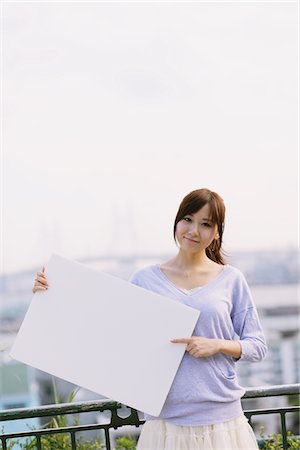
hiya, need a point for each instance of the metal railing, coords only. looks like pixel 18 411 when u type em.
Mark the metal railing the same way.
pixel 282 411
pixel 132 419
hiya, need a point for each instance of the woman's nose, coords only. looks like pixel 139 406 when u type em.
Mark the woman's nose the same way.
pixel 194 228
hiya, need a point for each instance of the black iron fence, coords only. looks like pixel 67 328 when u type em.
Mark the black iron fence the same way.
pixel 115 421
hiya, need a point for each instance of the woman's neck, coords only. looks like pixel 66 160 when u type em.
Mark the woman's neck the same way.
pixel 190 261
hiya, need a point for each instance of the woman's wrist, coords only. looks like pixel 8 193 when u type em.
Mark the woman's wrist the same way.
pixel 230 348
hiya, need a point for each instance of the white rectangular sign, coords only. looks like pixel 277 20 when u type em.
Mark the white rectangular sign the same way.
pixel 105 334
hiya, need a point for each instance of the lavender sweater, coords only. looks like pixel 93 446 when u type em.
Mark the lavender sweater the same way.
pixel 206 390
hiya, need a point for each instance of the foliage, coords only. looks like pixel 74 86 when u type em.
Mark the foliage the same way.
pixel 57 441
pixel 274 441
pixel 125 443
pixel 62 441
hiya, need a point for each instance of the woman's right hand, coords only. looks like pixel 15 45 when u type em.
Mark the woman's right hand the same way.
pixel 40 282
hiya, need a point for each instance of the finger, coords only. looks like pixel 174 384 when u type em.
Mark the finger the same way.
pixel 181 341
pixel 40 283
pixel 41 280
pixel 41 274
pixel 37 284
pixel 38 288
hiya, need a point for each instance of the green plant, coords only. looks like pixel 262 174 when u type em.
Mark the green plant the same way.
pixel 274 441
pixel 125 443
pixel 57 441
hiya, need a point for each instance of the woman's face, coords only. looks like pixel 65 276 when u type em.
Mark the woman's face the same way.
pixel 195 232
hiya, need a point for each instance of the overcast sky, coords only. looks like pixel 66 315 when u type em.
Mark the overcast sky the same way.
pixel 112 112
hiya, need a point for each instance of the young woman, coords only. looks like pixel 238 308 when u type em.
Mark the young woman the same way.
pixel 203 408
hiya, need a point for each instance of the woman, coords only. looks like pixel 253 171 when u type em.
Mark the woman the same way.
pixel 203 408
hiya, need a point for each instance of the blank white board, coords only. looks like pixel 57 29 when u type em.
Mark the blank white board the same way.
pixel 105 334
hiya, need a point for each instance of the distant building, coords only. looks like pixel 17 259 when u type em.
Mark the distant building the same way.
pixel 277 302
pixel 18 389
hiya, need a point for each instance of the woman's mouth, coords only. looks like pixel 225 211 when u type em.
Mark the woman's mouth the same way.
pixel 191 240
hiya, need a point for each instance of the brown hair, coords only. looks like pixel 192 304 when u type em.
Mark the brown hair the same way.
pixel 194 201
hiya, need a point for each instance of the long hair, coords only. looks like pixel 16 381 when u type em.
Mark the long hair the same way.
pixel 194 201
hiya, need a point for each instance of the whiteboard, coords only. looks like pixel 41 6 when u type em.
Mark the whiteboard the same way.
pixel 105 334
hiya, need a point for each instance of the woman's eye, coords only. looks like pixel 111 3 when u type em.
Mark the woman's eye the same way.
pixel 187 219
pixel 207 225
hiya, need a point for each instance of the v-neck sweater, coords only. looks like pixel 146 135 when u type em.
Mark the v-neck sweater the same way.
pixel 206 390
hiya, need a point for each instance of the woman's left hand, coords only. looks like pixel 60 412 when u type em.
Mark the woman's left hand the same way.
pixel 198 346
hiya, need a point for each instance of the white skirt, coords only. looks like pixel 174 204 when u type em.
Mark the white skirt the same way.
pixel 234 434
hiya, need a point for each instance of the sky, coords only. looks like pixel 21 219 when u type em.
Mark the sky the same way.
pixel 113 112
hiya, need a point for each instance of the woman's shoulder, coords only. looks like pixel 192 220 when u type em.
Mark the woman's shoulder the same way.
pixel 235 272
pixel 142 274
pixel 234 269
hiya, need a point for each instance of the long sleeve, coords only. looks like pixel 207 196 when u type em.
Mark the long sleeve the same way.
pixel 206 390
pixel 251 337
pixel 247 325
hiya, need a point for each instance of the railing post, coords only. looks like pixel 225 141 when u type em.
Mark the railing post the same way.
pixel 73 440
pixel 3 442
pixel 283 431
pixel 107 440
pixel 38 442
